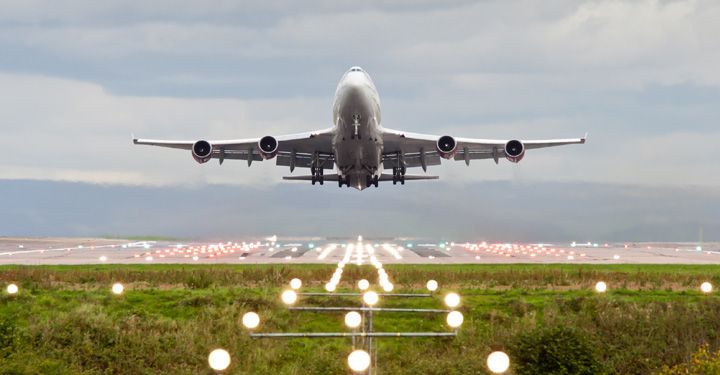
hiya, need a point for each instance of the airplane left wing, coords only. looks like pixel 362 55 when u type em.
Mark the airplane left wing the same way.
pixel 293 150
pixel 421 150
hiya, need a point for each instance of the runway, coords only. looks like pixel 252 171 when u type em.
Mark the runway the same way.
pixel 56 251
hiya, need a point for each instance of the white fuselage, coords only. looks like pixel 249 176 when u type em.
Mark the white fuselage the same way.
pixel 357 140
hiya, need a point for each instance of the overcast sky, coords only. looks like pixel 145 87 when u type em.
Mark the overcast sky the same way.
pixel 78 77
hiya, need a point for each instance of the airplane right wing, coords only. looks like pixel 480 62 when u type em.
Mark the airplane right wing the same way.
pixel 294 150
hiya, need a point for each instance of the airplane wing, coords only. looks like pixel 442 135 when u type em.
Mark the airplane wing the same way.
pixel 293 150
pixel 421 150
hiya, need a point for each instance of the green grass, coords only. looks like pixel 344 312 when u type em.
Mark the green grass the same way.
pixel 66 321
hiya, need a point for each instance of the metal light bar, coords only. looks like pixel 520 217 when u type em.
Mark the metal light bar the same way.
pixel 354 334
pixel 360 294
pixel 385 309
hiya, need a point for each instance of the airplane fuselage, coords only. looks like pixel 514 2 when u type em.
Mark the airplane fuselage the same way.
pixel 357 139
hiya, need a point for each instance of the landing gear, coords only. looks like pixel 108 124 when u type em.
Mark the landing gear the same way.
pixel 399 175
pixel 317 175
pixel 371 181
pixel 343 181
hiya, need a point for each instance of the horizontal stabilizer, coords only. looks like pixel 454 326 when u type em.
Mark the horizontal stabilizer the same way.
pixel 383 177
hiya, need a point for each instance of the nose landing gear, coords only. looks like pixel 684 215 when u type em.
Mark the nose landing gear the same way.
pixel 399 175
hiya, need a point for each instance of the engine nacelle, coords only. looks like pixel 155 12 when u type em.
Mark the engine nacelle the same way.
pixel 268 147
pixel 514 151
pixel 446 147
pixel 202 151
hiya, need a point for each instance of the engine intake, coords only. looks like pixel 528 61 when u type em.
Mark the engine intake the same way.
pixel 514 151
pixel 202 151
pixel 268 147
pixel 446 147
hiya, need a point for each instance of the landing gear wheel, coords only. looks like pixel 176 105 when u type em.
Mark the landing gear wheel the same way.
pixel 368 181
pixel 376 179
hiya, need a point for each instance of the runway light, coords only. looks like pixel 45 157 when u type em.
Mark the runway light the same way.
pixel 330 287
pixel 12 289
pixel 118 288
pixel 706 287
pixel 455 319
pixel 616 257
pixel 388 287
pixel 359 361
pixel 289 297
pixel 251 320
pixel 196 257
pixel 600 287
pixel 219 359
pixel 452 300
pixel 295 283
pixel 103 258
pixel 370 298
pixel 363 284
pixel 432 285
pixel 498 362
pixel 353 319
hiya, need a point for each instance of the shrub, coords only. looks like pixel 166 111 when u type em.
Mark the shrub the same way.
pixel 554 350
pixel 701 362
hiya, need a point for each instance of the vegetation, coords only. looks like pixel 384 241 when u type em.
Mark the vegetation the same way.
pixel 653 319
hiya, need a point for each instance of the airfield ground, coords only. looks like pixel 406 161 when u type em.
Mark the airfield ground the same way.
pixel 65 320
pixel 184 298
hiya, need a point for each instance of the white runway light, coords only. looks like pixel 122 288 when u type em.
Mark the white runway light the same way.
pixel 353 319
pixel 12 289
pixel 219 359
pixel 103 258
pixel 330 287
pixel 118 288
pixel 370 298
pixel 289 297
pixel 359 361
pixel 455 319
pixel 498 362
pixel 296 283
pixel 601 287
pixel 452 300
pixel 363 284
pixel 251 320
pixel 432 285
pixel 706 287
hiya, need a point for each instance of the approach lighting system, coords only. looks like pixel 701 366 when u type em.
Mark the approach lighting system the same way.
pixel 12 289
pixel 452 300
pixel 370 298
pixel 363 284
pixel 219 359
pixel 706 287
pixel 289 297
pixel 118 288
pixel 455 319
pixel 601 287
pixel 432 285
pixel 359 361
pixel 296 283
pixel 353 319
pixel 251 320
pixel 498 362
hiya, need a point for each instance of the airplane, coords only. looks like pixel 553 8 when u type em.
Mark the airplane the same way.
pixel 357 145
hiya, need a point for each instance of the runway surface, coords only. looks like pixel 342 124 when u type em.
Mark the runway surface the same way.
pixel 35 251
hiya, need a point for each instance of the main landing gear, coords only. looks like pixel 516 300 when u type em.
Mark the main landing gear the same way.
pixel 317 175
pixel 399 175
pixel 343 181
pixel 372 180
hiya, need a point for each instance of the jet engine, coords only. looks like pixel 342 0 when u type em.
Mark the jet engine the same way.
pixel 514 151
pixel 446 147
pixel 202 151
pixel 268 147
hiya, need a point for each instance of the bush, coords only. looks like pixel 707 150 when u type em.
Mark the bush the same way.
pixel 702 362
pixel 554 350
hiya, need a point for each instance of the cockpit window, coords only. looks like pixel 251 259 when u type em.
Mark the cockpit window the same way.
pixel 356 69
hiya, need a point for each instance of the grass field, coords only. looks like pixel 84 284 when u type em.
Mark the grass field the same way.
pixel 66 321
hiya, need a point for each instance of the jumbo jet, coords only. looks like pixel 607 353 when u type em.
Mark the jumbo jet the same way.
pixel 357 146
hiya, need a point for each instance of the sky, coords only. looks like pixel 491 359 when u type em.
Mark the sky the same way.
pixel 78 78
